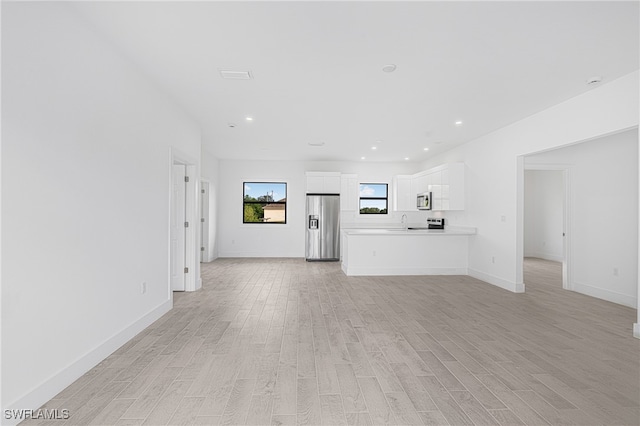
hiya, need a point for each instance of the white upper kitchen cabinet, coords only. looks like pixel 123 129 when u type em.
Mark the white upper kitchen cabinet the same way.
pixel 404 195
pixel 349 192
pixel 447 186
pixel 445 182
pixel 421 182
pixel 323 182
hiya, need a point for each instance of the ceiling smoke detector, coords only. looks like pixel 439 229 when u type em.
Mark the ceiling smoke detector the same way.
pixel 594 80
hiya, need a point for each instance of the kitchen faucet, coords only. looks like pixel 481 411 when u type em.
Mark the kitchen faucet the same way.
pixel 403 220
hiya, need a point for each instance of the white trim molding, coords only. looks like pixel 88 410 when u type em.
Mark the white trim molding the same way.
pixel 36 397
pixel 498 282
pixel 566 259
pixel 545 256
pixel 366 271
pixel 610 296
pixel 192 236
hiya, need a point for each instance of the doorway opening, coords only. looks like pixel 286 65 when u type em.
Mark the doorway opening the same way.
pixel 545 223
pixel 542 273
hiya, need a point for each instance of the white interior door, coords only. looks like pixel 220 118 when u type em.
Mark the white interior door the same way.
pixel 178 230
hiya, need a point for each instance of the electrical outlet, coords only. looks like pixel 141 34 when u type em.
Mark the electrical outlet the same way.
pixel 143 287
pixel 615 271
pixel 493 259
pixel 374 252
pixel 503 218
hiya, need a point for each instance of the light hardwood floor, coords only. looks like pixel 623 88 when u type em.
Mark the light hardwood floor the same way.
pixel 283 341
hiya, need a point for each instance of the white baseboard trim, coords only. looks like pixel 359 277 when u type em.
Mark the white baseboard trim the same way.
pixel 636 330
pixel 374 271
pixel 608 295
pixel 499 282
pixel 211 257
pixel 265 255
pixel 545 256
pixel 36 397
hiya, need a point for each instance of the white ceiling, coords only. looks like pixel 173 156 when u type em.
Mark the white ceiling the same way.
pixel 317 68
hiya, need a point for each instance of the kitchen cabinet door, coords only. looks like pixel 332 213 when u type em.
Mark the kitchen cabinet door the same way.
pixel 421 182
pixel 315 185
pixel 332 184
pixel 404 196
pixel 349 193
pixel 456 186
pixel 323 182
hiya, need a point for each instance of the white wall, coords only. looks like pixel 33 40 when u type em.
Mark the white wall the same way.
pixel 604 214
pixel 260 240
pixel 210 172
pixel 494 171
pixel 86 141
pixel 543 214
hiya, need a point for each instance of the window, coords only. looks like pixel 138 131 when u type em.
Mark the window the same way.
pixel 373 198
pixel 264 202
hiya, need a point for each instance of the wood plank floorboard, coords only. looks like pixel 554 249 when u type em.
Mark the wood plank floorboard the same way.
pixel 287 342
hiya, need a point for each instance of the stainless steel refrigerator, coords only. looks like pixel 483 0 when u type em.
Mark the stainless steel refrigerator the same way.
pixel 323 227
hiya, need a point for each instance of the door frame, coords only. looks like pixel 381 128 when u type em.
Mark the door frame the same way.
pixel 177 279
pixel 567 262
pixel 193 280
pixel 205 187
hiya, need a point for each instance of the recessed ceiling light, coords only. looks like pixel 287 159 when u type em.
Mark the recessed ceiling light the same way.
pixel 235 75
pixel 458 123
pixel 594 80
pixel 362 158
pixel 406 158
pixel 374 148
pixel 425 149
pixel 249 118
pixel 389 68
pixel 316 143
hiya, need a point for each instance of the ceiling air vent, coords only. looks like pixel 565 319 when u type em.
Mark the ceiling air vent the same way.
pixel 235 75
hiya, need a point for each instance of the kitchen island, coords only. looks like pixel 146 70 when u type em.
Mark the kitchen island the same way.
pixel 406 251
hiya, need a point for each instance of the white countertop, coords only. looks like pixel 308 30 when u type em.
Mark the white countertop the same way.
pixel 458 230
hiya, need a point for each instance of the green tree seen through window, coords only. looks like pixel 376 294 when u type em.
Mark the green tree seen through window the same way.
pixel 264 202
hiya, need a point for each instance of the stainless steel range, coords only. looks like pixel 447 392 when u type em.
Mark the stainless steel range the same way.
pixel 435 223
